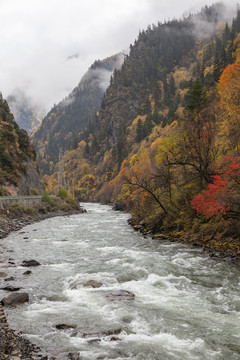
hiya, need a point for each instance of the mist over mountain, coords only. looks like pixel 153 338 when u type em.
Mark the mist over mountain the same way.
pixel 27 114
pixel 62 126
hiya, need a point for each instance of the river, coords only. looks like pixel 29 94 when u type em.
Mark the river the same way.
pixel 186 305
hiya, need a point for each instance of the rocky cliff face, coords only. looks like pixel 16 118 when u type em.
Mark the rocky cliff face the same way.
pixel 30 183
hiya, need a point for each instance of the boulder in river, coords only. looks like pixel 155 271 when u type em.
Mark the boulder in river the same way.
pixel 28 272
pixel 11 262
pixel 65 326
pixel 121 295
pixel 30 263
pixel 97 333
pixel 93 284
pixel 94 341
pixel 115 338
pixel 15 299
pixel 10 288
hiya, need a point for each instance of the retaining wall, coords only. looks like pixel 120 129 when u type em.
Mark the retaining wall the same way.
pixel 24 201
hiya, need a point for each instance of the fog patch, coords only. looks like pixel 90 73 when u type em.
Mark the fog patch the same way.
pixel 207 22
pixel 97 76
pixel 74 56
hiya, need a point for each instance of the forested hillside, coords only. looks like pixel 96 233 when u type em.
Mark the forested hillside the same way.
pixel 165 143
pixel 62 126
pixel 16 152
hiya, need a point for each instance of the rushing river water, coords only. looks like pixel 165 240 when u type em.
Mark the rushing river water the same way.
pixel 186 305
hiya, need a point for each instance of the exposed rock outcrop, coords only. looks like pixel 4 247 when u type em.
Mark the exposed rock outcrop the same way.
pixel 30 181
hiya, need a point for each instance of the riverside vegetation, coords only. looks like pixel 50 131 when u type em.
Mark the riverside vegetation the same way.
pixel 15 216
pixel 164 143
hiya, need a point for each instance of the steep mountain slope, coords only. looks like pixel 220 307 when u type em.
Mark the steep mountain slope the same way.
pixel 156 77
pixel 26 115
pixel 166 140
pixel 17 171
pixel 62 126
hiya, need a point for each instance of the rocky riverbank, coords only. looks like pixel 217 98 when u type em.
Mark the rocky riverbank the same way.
pixel 218 248
pixel 8 224
pixel 13 346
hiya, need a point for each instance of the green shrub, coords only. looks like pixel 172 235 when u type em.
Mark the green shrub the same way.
pixel 15 209
pixel 46 198
pixel 30 210
pixel 63 193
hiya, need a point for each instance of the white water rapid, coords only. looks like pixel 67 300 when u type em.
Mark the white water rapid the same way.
pixel 186 306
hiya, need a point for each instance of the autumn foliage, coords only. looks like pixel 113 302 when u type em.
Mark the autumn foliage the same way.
pixel 166 139
pixel 217 198
pixel 229 91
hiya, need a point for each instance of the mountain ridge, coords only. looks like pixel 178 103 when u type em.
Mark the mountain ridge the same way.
pixel 165 142
pixel 63 124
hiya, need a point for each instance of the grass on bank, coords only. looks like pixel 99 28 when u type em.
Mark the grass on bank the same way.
pixel 49 204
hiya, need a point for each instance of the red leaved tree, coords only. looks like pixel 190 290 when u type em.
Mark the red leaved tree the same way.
pixel 222 197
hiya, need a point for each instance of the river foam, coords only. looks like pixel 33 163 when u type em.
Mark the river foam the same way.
pixel 186 305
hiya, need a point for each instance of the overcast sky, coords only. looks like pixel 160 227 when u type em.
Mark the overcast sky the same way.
pixel 47 45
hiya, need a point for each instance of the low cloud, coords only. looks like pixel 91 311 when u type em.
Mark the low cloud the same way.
pixel 97 77
pixel 74 56
pixel 205 26
pixel 49 45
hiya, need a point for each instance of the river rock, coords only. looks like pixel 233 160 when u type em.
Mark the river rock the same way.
pixel 121 295
pixel 65 326
pixel 15 299
pixel 30 263
pixel 28 272
pixel 94 341
pixel 98 333
pixel 10 288
pixel 93 284
pixel 115 338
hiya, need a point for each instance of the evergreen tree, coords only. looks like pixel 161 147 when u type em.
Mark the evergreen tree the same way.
pixel 226 34
pixel 148 125
pixel 139 131
pixel 197 98
pixel 172 87
pixel 156 118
